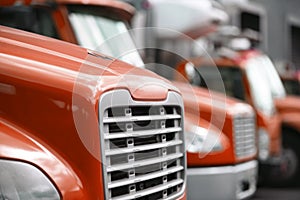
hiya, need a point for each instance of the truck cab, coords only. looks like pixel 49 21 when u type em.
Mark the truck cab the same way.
pixel 221 145
pixel 257 82
pixel 76 124
pixel 218 150
pixel 76 21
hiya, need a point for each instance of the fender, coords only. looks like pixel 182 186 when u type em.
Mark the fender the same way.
pixel 222 157
pixel 18 144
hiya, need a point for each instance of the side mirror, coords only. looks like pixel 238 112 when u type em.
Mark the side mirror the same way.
pixel 190 71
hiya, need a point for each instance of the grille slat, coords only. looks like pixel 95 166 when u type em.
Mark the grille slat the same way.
pixel 143 148
pixel 244 136
pixel 245 140
pixel 142 133
pixel 248 147
pixel 140 118
pixel 250 136
pixel 145 177
pixel 144 162
pixel 151 190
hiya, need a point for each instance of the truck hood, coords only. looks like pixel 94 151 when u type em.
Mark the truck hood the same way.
pixel 54 63
pixel 52 89
pixel 208 100
pixel 219 112
pixel 289 109
pixel 288 104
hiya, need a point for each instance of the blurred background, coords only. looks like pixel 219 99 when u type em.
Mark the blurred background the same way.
pixel 271 27
pixel 276 24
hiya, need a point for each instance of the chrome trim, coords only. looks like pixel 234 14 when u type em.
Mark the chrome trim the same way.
pixel 139 118
pixel 146 177
pixel 222 182
pixel 143 148
pixel 150 191
pixel 143 163
pixel 244 129
pixel 142 133
pixel 122 98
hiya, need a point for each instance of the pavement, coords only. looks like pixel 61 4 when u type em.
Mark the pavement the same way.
pixel 266 193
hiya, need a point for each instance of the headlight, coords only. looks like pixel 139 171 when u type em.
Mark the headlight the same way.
pixel 263 144
pixel 20 180
pixel 269 111
pixel 202 140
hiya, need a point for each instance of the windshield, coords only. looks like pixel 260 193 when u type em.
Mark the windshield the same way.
pixel 95 32
pixel 270 73
pixel 292 87
pixel 259 87
pixel 231 76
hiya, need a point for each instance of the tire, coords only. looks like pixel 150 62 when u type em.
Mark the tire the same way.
pixel 287 172
pixel 290 159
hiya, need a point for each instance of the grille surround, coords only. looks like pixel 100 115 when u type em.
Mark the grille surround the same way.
pixel 122 99
pixel 244 130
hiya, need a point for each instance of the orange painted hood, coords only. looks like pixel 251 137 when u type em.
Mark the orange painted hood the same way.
pixel 289 109
pixel 288 104
pixel 208 99
pixel 55 63
pixel 217 111
pixel 50 89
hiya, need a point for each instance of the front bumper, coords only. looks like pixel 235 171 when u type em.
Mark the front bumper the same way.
pixel 225 182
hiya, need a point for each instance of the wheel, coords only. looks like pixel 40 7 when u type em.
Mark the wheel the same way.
pixel 286 173
pixel 289 164
pixel 290 159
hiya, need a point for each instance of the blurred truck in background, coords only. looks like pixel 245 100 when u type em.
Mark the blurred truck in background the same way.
pixel 230 125
pixel 263 18
pixel 242 83
pixel 221 157
pixel 158 14
pixel 257 82
pixel 274 21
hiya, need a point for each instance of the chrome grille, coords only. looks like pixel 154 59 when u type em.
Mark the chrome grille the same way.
pixel 244 136
pixel 142 147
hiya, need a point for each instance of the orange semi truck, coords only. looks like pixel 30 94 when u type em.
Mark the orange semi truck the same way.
pixel 221 146
pixel 220 131
pixel 75 124
pixel 77 15
pixel 257 82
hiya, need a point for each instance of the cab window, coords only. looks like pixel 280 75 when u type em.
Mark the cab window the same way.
pixel 231 76
pixel 32 19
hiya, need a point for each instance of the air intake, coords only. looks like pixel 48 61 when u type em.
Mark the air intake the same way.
pixel 244 136
pixel 142 147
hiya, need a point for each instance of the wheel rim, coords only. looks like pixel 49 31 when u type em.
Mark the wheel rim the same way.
pixel 289 163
